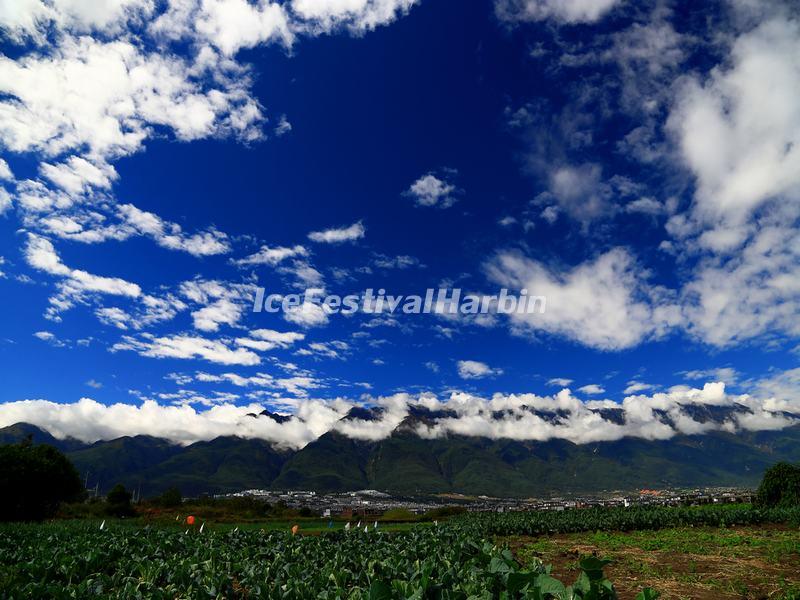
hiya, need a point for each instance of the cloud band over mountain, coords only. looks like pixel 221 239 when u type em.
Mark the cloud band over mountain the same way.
pixel 660 416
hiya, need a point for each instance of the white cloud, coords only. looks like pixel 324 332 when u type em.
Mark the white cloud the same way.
pixel 106 96
pixel 76 174
pixel 351 233
pixel 307 314
pixel 755 292
pixel 282 339
pixel 561 382
pixel 512 416
pixel 637 386
pixel 91 421
pixel 357 15
pixel 602 303
pixel 150 310
pixel 727 375
pixel 297 385
pixel 473 369
pixel 222 303
pixel 271 256
pixel 507 221
pixel 234 24
pixel 283 127
pixel 31 18
pixel 171 236
pixel 332 349
pixel 430 190
pixel 581 192
pixel 5 200
pixel 646 205
pixel 402 261
pixel 5 171
pixel 565 11
pixel 592 389
pixel 41 255
pixel 220 312
pixel 305 274
pixel 186 346
pixel 550 214
pixel 739 131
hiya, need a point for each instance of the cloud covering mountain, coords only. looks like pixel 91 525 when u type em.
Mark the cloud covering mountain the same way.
pixel 660 416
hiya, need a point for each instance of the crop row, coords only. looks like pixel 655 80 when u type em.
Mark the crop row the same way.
pixel 76 561
pixel 627 519
pixel 455 560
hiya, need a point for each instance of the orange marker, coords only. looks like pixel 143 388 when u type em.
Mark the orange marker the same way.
pixel 190 520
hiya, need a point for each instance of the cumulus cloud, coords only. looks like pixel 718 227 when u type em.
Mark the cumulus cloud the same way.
pixel 357 15
pixel 93 83
pixel 604 303
pixel 89 420
pixel 473 369
pixel 514 416
pixel 234 24
pixel 752 293
pixel 337 235
pixel 434 191
pixel 31 18
pixel 222 303
pixel 105 96
pixel 559 382
pixel 739 130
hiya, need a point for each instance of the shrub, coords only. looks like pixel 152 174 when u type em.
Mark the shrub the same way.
pixel 118 502
pixel 170 498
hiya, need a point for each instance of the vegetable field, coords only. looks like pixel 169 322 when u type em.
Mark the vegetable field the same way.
pixel 629 519
pixel 457 559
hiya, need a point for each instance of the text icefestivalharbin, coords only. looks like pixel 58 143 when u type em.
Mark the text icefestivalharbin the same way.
pixel 441 301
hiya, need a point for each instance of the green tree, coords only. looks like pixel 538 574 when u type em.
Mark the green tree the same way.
pixel 118 502
pixel 170 498
pixel 780 487
pixel 35 480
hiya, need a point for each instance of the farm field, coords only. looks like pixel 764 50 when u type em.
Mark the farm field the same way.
pixel 683 563
pixel 737 552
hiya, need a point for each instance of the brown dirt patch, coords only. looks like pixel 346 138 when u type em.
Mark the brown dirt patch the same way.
pixel 763 566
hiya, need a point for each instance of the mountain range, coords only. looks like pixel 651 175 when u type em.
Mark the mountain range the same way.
pixel 406 463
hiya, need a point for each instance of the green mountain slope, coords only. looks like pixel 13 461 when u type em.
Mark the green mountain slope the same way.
pixel 407 464
pixel 13 434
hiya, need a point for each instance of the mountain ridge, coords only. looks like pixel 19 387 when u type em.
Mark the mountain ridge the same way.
pixel 408 464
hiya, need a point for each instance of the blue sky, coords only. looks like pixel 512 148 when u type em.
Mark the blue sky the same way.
pixel 636 163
